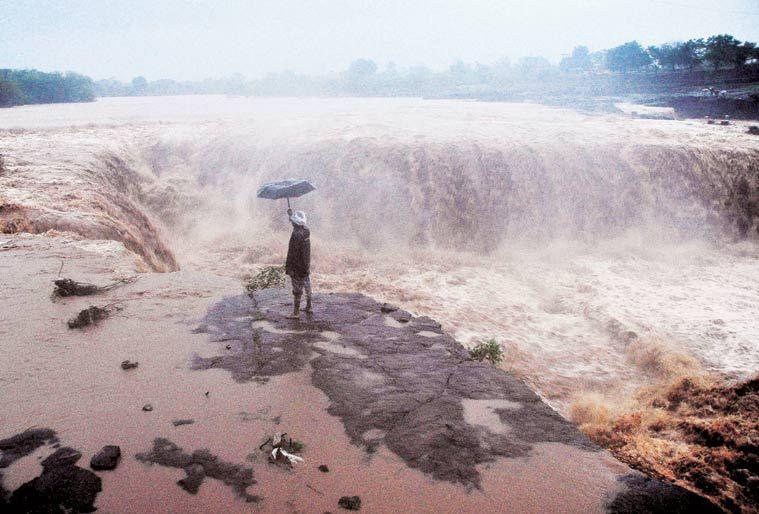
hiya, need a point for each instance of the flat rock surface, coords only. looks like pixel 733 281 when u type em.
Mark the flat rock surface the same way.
pixel 399 381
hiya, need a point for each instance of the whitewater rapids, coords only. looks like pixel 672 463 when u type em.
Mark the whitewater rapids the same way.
pixel 557 233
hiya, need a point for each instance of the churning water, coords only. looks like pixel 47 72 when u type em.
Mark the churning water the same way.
pixel 557 233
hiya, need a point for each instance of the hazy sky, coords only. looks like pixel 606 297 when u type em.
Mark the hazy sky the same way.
pixel 191 39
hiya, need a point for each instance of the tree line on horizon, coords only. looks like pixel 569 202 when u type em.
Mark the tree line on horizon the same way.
pixel 21 87
pixel 721 52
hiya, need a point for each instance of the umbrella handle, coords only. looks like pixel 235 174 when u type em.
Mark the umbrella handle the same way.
pixel 288 202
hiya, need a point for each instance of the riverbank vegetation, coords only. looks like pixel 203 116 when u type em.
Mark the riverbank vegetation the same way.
pixel 713 64
pixel 21 87
pixel 628 68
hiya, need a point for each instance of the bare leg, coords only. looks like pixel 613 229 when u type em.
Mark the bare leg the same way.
pixel 307 286
pixel 296 308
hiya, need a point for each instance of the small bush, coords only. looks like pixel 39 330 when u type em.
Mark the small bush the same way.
pixel 488 350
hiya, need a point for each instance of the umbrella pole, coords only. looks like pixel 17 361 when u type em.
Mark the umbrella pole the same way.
pixel 288 202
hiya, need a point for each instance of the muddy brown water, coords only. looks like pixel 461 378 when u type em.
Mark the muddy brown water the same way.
pixel 171 179
pixel 540 227
pixel 71 381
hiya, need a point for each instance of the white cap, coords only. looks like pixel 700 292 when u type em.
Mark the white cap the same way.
pixel 299 218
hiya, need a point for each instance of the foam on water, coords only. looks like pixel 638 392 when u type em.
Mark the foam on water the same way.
pixel 557 233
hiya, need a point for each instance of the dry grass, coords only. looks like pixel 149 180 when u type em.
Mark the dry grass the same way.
pixel 653 356
pixel 698 432
pixel 269 276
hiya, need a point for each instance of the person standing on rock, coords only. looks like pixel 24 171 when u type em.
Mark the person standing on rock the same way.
pixel 298 263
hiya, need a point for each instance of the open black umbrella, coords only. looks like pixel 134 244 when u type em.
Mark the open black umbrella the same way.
pixel 289 188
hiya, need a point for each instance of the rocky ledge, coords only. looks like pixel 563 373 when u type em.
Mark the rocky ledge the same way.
pixel 400 381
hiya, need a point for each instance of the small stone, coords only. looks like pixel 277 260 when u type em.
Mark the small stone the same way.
pixel 180 422
pixel 386 307
pixel 323 468
pixel 88 316
pixel 147 407
pixel 229 347
pixel 350 502
pixel 106 459
pixel 125 365
pixel 62 457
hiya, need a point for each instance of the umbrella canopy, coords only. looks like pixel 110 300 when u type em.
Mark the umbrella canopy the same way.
pixel 289 188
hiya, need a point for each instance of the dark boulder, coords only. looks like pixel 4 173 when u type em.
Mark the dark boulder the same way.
pixel 106 459
pixel 62 457
pixel 62 487
pixel 21 445
pixel 386 308
pixel 350 502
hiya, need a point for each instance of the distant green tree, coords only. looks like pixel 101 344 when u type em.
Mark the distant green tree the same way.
pixel 459 68
pixel 598 60
pixel 36 87
pixel 10 94
pixel 628 57
pixel 533 66
pixel 139 85
pixel 745 52
pixel 483 73
pixel 419 76
pixel 78 88
pixel 722 51
pixel 579 60
pixel 111 87
pixel 462 73
pixel 690 54
pixel 501 72
pixel 665 55
pixel 361 69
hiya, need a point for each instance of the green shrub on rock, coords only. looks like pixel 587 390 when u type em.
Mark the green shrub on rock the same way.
pixel 488 350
